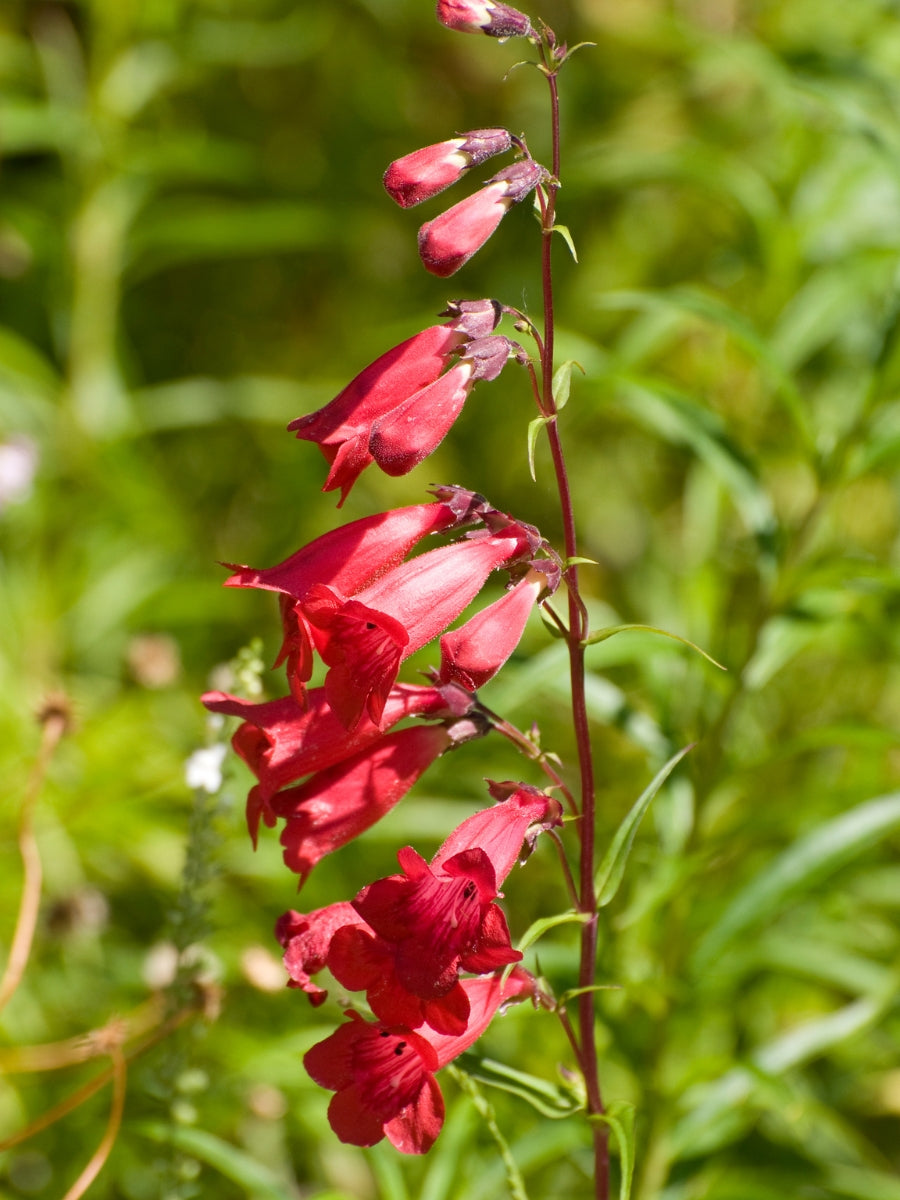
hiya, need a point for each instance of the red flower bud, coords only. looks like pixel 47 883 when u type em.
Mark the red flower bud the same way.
pixel 483 16
pixel 450 240
pixel 474 653
pixel 426 172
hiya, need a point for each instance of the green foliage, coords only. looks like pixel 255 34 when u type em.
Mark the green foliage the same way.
pixel 194 250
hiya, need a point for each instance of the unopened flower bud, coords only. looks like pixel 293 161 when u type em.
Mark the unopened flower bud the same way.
pixel 450 240
pixel 426 172
pixel 483 16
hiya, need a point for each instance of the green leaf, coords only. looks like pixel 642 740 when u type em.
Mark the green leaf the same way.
pixel 573 993
pixel 258 1180
pixel 538 928
pixel 563 231
pixel 573 49
pixel 547 1098
pixel 798 869
pixel 619 1116
pixel 600 635
pixel 534 428
pixel 562 381
pixel 611 870
pixel 860 1183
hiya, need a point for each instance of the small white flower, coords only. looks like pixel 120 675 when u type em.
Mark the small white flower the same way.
pixel 204 768
pixel 18 464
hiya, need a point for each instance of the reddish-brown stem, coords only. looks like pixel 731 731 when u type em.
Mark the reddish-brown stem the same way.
pixel 578 628
pixel 95 1164
pixel 54 722
pixel 530 750
pixel 45 1120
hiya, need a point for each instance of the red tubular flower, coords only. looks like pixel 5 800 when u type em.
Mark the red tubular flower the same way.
pixel 406 436
pixel 350 558
pixel 343 427
pixel 281 741
pixel 423 927
pixel 354 555
pixel 501 831
pixel 364 639
pixel 338 804
pixel 306 939
pixel 426 172
pixel 450 240
pixel 383 1076
pixel 474 653
pixel 483 16
pixel 427 927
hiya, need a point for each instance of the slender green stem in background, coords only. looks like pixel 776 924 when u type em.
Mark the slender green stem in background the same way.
pixel 577 631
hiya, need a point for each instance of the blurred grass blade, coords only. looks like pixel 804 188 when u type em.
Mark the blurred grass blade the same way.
pixel 799 869
pixel 452 1148
pixel 612 869
pixel 679 419
pixel 694 304
pixel 860 1184
pixel 257 1180
pixel 723 1108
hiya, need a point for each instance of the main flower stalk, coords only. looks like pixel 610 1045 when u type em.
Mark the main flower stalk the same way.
pixel 575 643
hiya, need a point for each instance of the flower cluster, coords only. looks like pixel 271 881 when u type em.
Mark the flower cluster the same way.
pixel 429 947
pixel 449 241
pixel 404 940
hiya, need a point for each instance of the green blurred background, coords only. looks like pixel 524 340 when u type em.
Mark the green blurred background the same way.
pixel 195 248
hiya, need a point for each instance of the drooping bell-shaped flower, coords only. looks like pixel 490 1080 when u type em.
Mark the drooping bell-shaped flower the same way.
pixel 339 803
pixel 426 927
pixel 407 435
pixel 348 559
pixel 483 16
pixel 383 1075
pixel 342 428
pixel 426 172
pixel 474 653
pixel 450 240
pixel 422 928
pixel 281 741
pixel 365 638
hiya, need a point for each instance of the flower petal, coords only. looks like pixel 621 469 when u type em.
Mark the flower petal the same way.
pixel 339 803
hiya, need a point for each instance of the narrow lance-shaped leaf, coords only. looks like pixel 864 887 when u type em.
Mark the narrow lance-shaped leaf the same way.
pixel 601 635
pixel 619 1116
pixel 612 869
pixel 537 929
